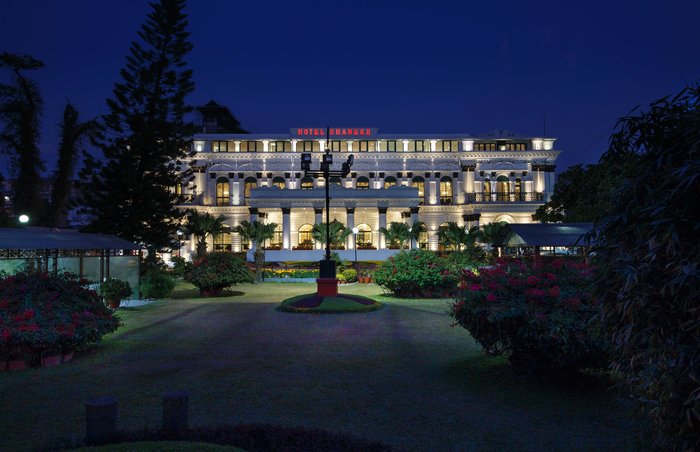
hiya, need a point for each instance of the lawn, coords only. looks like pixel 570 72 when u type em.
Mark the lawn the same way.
pixel 401 375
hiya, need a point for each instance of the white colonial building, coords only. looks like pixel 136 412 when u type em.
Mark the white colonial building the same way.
pixel 434 178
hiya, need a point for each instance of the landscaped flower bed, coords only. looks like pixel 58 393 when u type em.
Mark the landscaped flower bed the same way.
pixel 43 317
pixel 291 273
pixel 542 318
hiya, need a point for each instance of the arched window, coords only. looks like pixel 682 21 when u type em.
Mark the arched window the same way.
pixel 423 237
pixel 419 183
pixel 305 237
pixel 362 182
pixel 389 181
pixel 222 241
pixel 276 240
pixel 222 194
pixel 307 183
pixel 335 180
pixel 502 188
pixel 446 190
pixel 278 182
pixel 248 184
pixel 518 189
pixel 364 235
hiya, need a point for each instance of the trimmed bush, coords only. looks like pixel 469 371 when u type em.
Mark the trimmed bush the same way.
pixel 216 271
pixel 157 285
pixel 417 273
pixel 42 313
pixel 542 319
pixel 349 275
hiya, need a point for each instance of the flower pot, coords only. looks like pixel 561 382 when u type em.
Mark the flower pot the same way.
pixel 17 364
pixel 114 304
pixel 50 361
pixel 67 357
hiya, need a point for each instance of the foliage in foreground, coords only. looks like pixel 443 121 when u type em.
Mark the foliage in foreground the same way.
pixel 648 275
pixel 156 285
pixel 541 318
pixel 44 313
pixel 216 271
pixel 417 273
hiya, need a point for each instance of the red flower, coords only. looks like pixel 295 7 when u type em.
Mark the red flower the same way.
pixel 554 291
pixel 491 298
pixel 533 280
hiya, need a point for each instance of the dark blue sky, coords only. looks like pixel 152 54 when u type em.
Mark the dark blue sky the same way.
pixel 401 66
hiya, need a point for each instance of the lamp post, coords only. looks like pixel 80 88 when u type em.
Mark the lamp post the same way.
pixel 355 230
pixel 24 218
pixel 327 282
pixel 179 243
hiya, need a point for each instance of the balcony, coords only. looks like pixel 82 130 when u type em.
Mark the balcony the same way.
pixel 477 198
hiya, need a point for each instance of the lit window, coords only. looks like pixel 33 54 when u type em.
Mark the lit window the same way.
pixel 307 183
pixel 305 237
pixel 445 190
pixel 249 146
pixel 364 234
pixel 389 182
pixel 280 146
pixel 367 146
pixel 222 241
pixel 219 146
pixel 249 184
pixel 278 182
pixel 222 193
pixel 419 183
pixel 336 146
pixel 362 182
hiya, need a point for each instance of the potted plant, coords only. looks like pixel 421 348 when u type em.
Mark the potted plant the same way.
pixel 114 291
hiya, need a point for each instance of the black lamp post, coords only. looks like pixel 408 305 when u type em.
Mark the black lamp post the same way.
pixel 327 265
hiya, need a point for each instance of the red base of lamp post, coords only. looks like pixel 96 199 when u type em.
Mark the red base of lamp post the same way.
pixel 327 287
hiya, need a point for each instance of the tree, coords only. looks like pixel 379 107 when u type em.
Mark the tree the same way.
pixel 73 134
pixel 20 113
pixel 337 231
pixel 416 229
pixel 257 233
pixel 457 237
pixel 144 135
pixel 203 226
pixel 648 274
pixel 492 234
pixel 397 233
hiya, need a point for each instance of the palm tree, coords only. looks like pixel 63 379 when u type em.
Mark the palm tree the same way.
pixel 202 226
pixel 397 233
pixel 337 231
pixel 492 234
pixel 257 233
pixel 415 231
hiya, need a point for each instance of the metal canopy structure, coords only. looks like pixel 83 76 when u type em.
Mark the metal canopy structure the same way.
pixel 35 238
pixel 548 234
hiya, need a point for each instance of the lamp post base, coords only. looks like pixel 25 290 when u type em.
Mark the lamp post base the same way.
pixel 327 287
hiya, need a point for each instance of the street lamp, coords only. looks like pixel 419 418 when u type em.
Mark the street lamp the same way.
pixel 355 230
pixel 24 219
pixel 179 243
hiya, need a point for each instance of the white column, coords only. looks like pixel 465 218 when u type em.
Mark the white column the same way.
pixel 431 192
pixel 266 145
pixel 349 145
pixel 237 146
pixel 405 145
pixel 467 145
pixel 286 228
pixel 294 145
pixel 236 193
pixel 350 223
pixel 433 145
pixel 231 186
pixel 382 224
pixel 412 220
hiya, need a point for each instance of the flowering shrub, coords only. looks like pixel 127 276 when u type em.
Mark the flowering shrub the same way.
pixel 216 271
pixel 45 313
pixel 417 273
pixel 542 319
pixel 291 273
pixel 156 284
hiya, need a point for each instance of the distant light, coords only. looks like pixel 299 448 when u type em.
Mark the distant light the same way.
pixel 179 232
pixel 7 199
pixel 24 218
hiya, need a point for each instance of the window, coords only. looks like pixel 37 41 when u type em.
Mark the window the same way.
pixel 307 183
pixel 276 240
pixel 389 146
pixel 305 237
pixel 280 146
pixel 249 146
pixel 516 146
pixel 219 146
pixel 278 182
pixel 518 189
pixel 502 188
pixel 367 146
pixel 222 193
pixel 335 180
pixel 364 234
pixel 423 237
pixel 485 146
pixel 309 146
pixel 389 181
pixel 445 190
pixel 487 187
pixel 336 146
pixel 222 241
pixel 448 146
pixel 419 183
pixel 362 182
pixel 249 184
pixel 419 145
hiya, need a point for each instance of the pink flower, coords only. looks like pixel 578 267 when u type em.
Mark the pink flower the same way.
pixel 554 291
pixel 533 280
pixel 491 298
pixel 474 287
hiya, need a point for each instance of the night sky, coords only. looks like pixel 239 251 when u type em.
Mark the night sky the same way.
pixel 403 66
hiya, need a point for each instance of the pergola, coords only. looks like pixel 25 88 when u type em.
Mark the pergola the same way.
pixel 535 237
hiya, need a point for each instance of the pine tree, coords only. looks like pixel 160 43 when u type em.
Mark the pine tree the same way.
pixel 144 135
pixel 20 113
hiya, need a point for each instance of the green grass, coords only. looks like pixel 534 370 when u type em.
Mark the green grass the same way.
pixel 401 375
pixel 161 446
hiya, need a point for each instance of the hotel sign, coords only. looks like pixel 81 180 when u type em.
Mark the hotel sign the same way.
pixel 333 132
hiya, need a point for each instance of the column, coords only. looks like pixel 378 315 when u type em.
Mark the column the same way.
pixel 211 189
pixel 286 228
pixel 350 223
pixel 382 224
pixel 413 219
pixel 231 187
pixel 318 219
pixel 253 217
pixel 468 182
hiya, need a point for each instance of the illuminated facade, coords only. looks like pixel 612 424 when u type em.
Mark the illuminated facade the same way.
pixel 433 178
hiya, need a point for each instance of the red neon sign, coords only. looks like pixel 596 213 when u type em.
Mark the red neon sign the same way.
pixel 334 132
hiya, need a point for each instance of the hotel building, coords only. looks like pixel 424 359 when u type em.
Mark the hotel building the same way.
pixel 433 178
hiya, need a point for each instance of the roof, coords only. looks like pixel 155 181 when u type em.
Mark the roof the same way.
pixel 34 238
pixel 547 234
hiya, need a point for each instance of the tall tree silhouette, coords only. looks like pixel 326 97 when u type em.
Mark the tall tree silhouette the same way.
pixel 144 135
